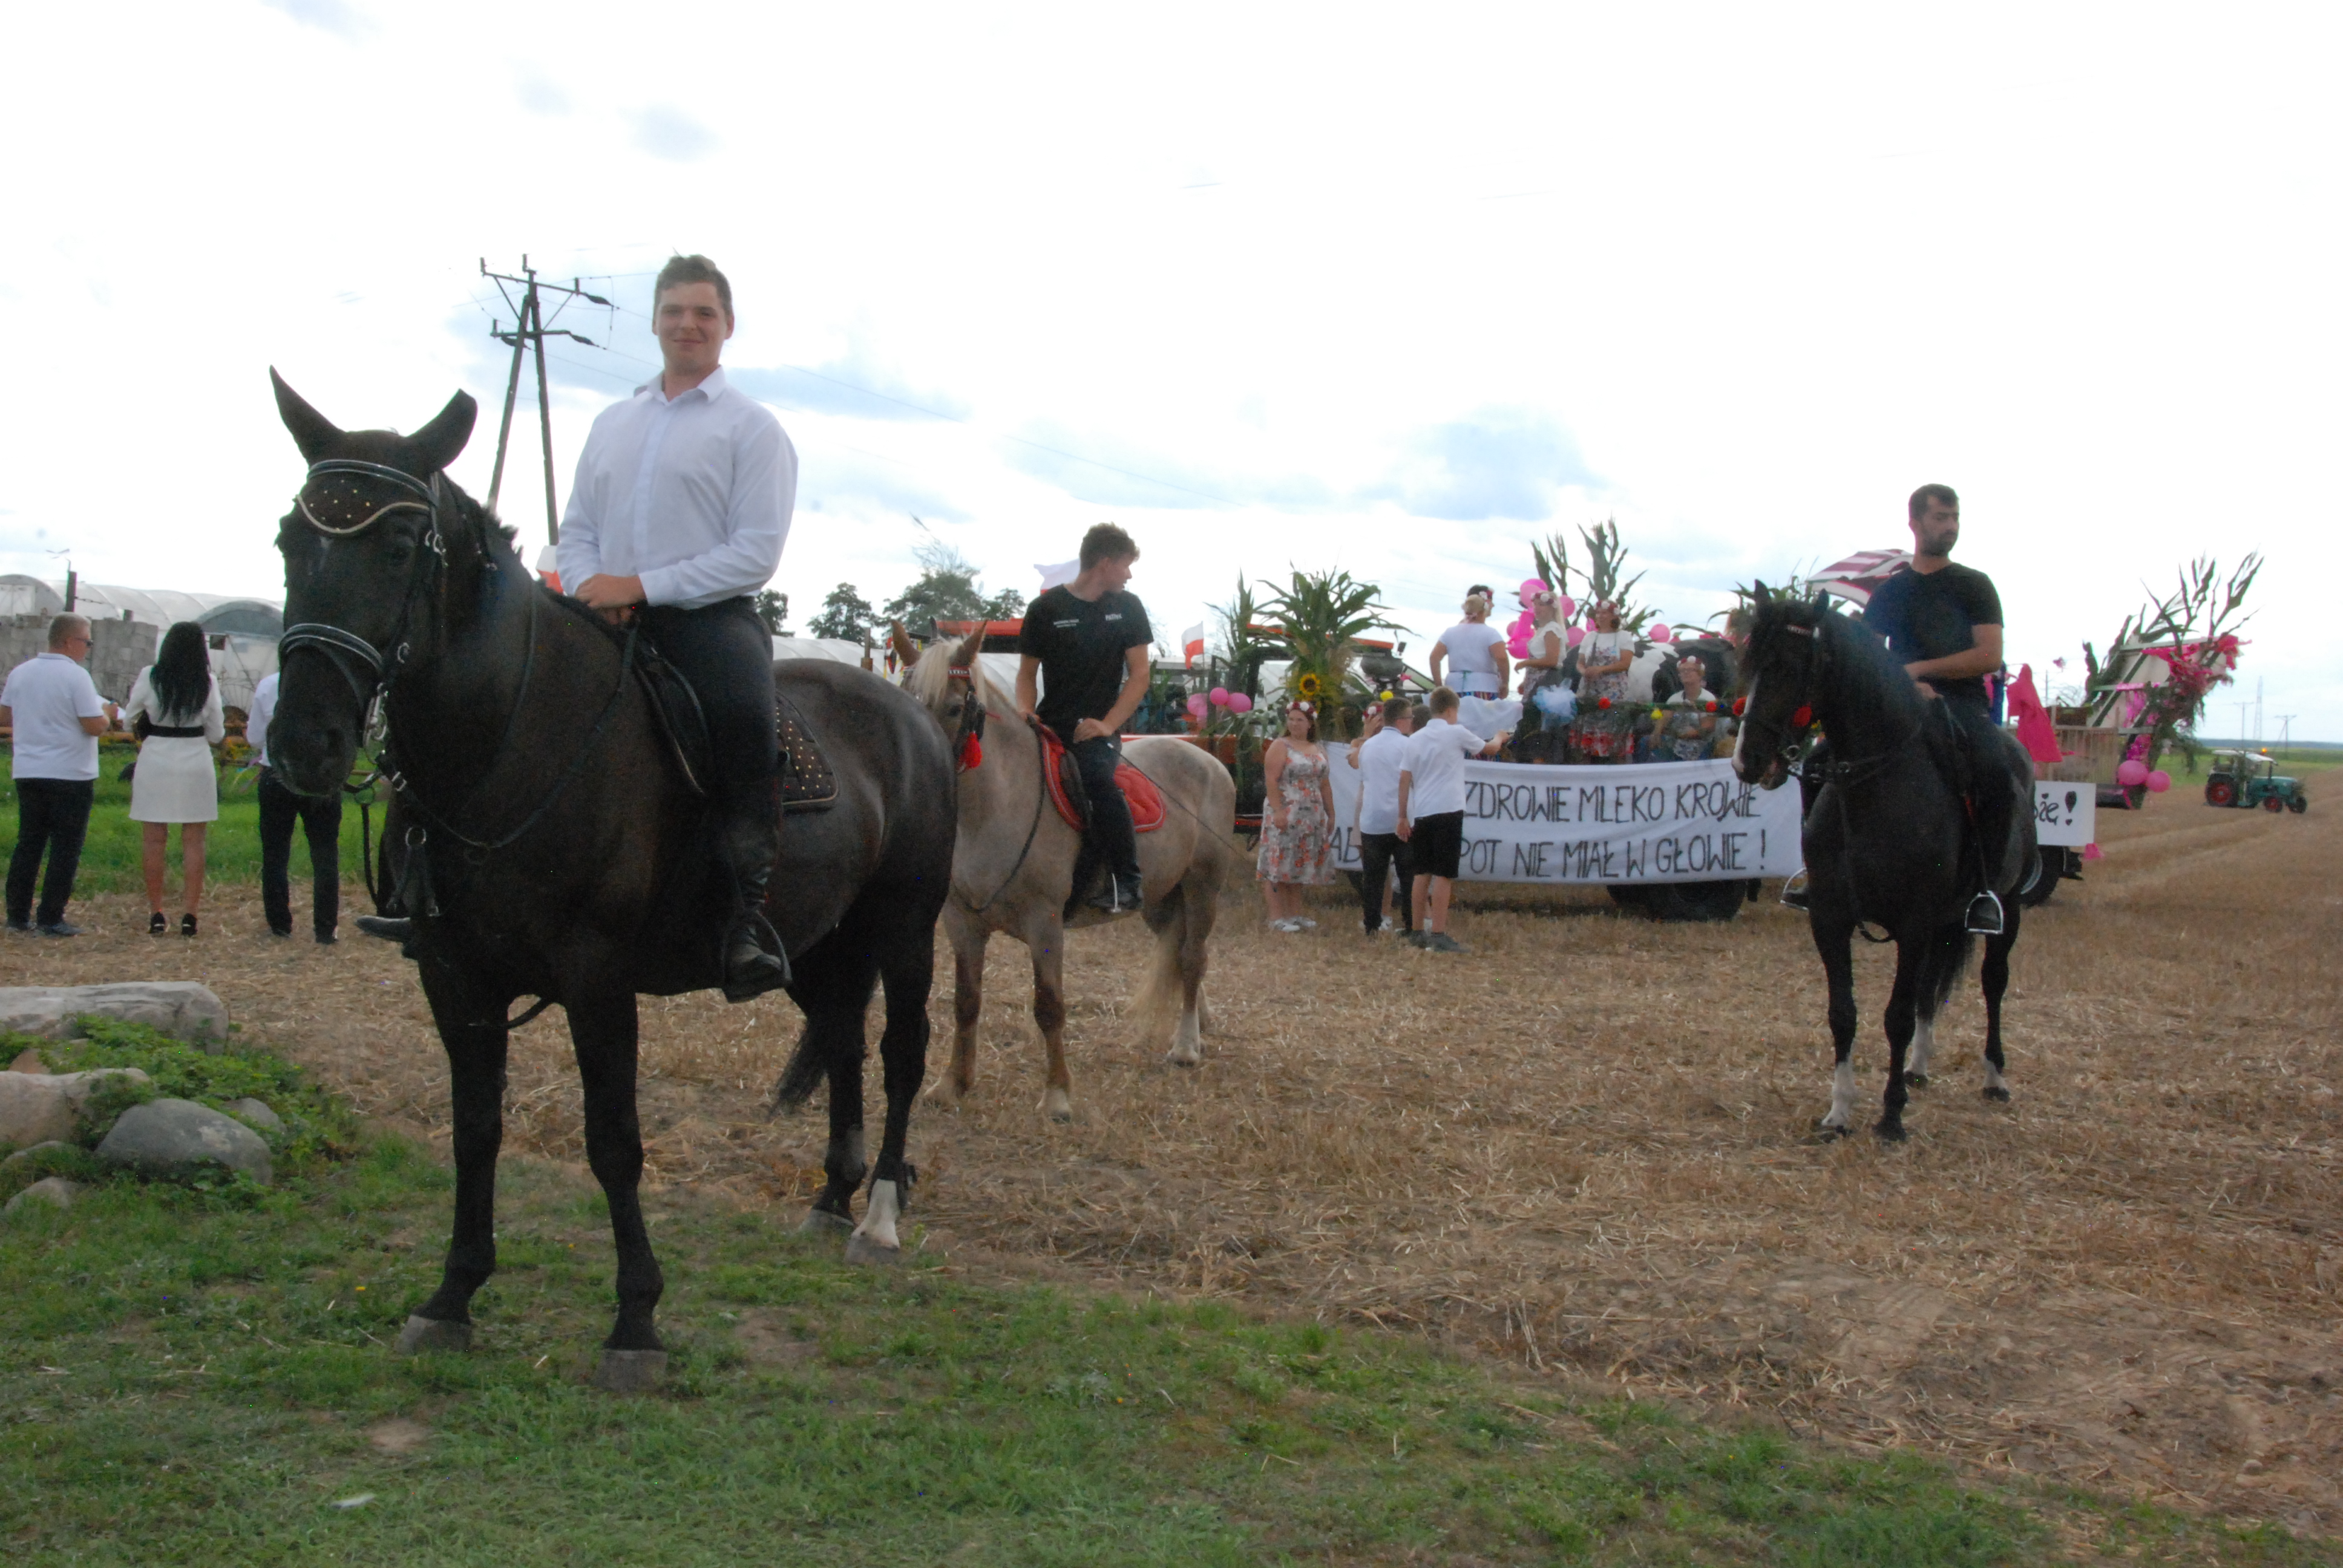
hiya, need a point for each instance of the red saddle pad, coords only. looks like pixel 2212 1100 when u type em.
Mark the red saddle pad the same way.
pixel 1138 790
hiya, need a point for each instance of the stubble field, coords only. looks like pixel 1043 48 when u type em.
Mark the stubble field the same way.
pixel 1585 1147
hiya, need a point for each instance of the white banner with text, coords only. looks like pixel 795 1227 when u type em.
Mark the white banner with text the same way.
pixel 1661 823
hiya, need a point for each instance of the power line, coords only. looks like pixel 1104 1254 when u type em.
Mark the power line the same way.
pixel 529 332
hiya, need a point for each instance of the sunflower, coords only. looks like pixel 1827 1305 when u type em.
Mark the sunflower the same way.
pixel 1309 686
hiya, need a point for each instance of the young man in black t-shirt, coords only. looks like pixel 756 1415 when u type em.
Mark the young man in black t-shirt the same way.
pixel 1943 621
pixel 1088 642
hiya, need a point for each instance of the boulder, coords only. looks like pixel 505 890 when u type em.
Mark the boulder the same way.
pixel 179 1008
pixel 22 1155
pixel 175 1138
pixel 29 1061
pixel 54 1190
pixel 255 1114
pixel 33 1110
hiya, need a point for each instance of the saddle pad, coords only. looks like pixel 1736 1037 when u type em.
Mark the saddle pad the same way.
pixel 807 783
pixel 1138 790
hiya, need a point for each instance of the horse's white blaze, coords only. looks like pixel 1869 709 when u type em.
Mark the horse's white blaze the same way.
pixel 1924 1045
pixel 1842 1110
pixel 877 1227
pixel 1187 1043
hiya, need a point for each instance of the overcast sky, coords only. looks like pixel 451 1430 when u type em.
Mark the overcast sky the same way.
pixel 1396 290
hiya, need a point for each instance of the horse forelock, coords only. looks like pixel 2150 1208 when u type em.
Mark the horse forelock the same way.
pixel 930 680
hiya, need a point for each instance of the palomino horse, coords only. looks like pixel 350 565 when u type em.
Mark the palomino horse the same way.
pixel 1014 868
pixel 549 843
pixel 1887 836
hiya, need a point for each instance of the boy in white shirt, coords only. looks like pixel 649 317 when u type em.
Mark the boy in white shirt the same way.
pixel 1432 813
pixel 1378 758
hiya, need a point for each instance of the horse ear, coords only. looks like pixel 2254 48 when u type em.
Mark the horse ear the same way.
pixel 1821 603
pixel 1761 594
pixel 312 432
pixel 438 443
pixel 900 641
pixel 964 657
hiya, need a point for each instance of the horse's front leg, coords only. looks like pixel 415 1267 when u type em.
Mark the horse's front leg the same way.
pixel 1902 1008
pixel 1045 940
pixel 603 1031
pixel 471 1028
pixel 968 941
pixel 907 970
pixel 1995 973
pixel 1835 942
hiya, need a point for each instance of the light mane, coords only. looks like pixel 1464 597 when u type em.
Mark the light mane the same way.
pixel 928 679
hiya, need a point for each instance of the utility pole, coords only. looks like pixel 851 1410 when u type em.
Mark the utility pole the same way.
pixel 2284 732
pixel 529 333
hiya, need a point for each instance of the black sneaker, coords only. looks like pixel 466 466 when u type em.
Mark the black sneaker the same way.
pixel 1794 891
pixel 1441 942
pixel 22 927
pixel 325 938
pixel 60 929
pixel 282 933
pixel 1985 915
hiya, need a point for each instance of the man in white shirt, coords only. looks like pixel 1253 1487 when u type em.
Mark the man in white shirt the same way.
pixel 678 513
pixel 1476 649
pixel 1432 813
pixel 54 710
pixel 320 816
pixel 1378 757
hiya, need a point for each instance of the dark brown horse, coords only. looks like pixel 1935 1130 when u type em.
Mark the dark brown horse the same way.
pixel 546 842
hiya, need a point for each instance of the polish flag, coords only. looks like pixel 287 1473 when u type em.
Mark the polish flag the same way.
pixel 1192 642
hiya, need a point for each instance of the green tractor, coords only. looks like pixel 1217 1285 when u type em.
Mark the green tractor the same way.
pixel 2249 778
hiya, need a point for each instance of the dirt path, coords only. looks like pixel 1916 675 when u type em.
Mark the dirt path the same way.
pixel 1584 1145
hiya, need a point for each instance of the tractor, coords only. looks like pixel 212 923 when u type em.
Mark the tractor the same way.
pixel 2247 779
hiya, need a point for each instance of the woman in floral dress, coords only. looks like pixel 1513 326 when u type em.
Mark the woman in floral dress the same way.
pixel 1601 731
pixel 1298 815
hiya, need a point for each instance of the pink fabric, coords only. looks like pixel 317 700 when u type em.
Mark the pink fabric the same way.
pixel 2035 730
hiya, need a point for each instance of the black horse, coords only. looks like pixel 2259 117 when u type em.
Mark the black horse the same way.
pixel 547 842
pixel 1887 840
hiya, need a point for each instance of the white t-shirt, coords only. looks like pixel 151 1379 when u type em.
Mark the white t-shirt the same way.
pixel 1436 767
pixel 47 697
pixel 1380 757
pixel 264 708
pixel 1471 667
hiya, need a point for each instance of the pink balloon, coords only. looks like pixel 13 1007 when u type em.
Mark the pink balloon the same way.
pixel 1518 645
pixel 1198 706
pixel 2132 774
pixel 2091 852
pixel 1531 586
pixel 1662 634
pixel 1566 607
pixel 1577 635
pixel 1219 697
pixel 1239 703
pixel 2158 782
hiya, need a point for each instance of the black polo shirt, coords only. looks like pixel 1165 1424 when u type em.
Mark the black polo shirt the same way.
pixel 1080 644
pixel 1931 615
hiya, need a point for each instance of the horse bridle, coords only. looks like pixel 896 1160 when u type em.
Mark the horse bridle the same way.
pixel 1794 745
pixel 970 726
pixel 339 644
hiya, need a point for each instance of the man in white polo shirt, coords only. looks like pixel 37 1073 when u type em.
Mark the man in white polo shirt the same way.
pixel 1378 758
pixel 1432 813
pixel 57 716
pixel 678 514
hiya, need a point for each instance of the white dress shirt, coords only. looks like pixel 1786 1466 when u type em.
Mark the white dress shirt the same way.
pixel 1434 762
pixel 1380 757
pixel 691 493
pixel 264 708
pixel 47 697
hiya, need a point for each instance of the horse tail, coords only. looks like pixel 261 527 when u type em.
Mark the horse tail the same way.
pixel 1161 996
pixel 805 1071
pixel 1951 957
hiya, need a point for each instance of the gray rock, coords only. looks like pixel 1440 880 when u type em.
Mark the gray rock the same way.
pixel 256 1114
pixel 33 1110
pixel 54 1190
pixel 180 1008
pixel 22 1155
pixel 178 1138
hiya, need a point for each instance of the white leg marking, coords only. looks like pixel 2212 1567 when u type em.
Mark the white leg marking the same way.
pixel 1842 1109
pixel 1993 1078
pixel 1187 1047
pixel 1924 1044
pixel 877 1227
pixel 1058 1105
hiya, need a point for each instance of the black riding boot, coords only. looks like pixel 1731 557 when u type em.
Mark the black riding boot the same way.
pixel 749 840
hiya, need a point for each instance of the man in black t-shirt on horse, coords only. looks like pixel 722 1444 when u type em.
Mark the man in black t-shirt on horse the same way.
pixel 1945 622
pixel 1087 640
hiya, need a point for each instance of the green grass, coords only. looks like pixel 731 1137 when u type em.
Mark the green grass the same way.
pixel 189 1377
pixel 110 856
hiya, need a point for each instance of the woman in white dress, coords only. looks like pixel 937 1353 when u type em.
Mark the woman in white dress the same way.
pixel 175 779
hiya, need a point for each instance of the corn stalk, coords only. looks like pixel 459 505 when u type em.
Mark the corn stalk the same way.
pixel 1324 613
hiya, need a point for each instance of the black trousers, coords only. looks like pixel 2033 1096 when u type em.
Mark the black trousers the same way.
pixel 1379 853
pixel 1111 833
pixel 1993 781
pixel 726 654
pixel 51 816
pixel 321 818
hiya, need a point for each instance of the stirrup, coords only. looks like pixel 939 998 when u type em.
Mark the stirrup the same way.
pixel 1794 891
pixel 1985 915
pixel 1120 896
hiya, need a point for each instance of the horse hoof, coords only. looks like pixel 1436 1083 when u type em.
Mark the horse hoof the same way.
pixel 1188 1058
pixel 422 1334
pixel 631 1372
pixel 862 1250
pixel 1997 1094
pixel 947 1091
pixel 1058 1105
pixel 1916 1080
pixel 822 1223
pixel 1890 1132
